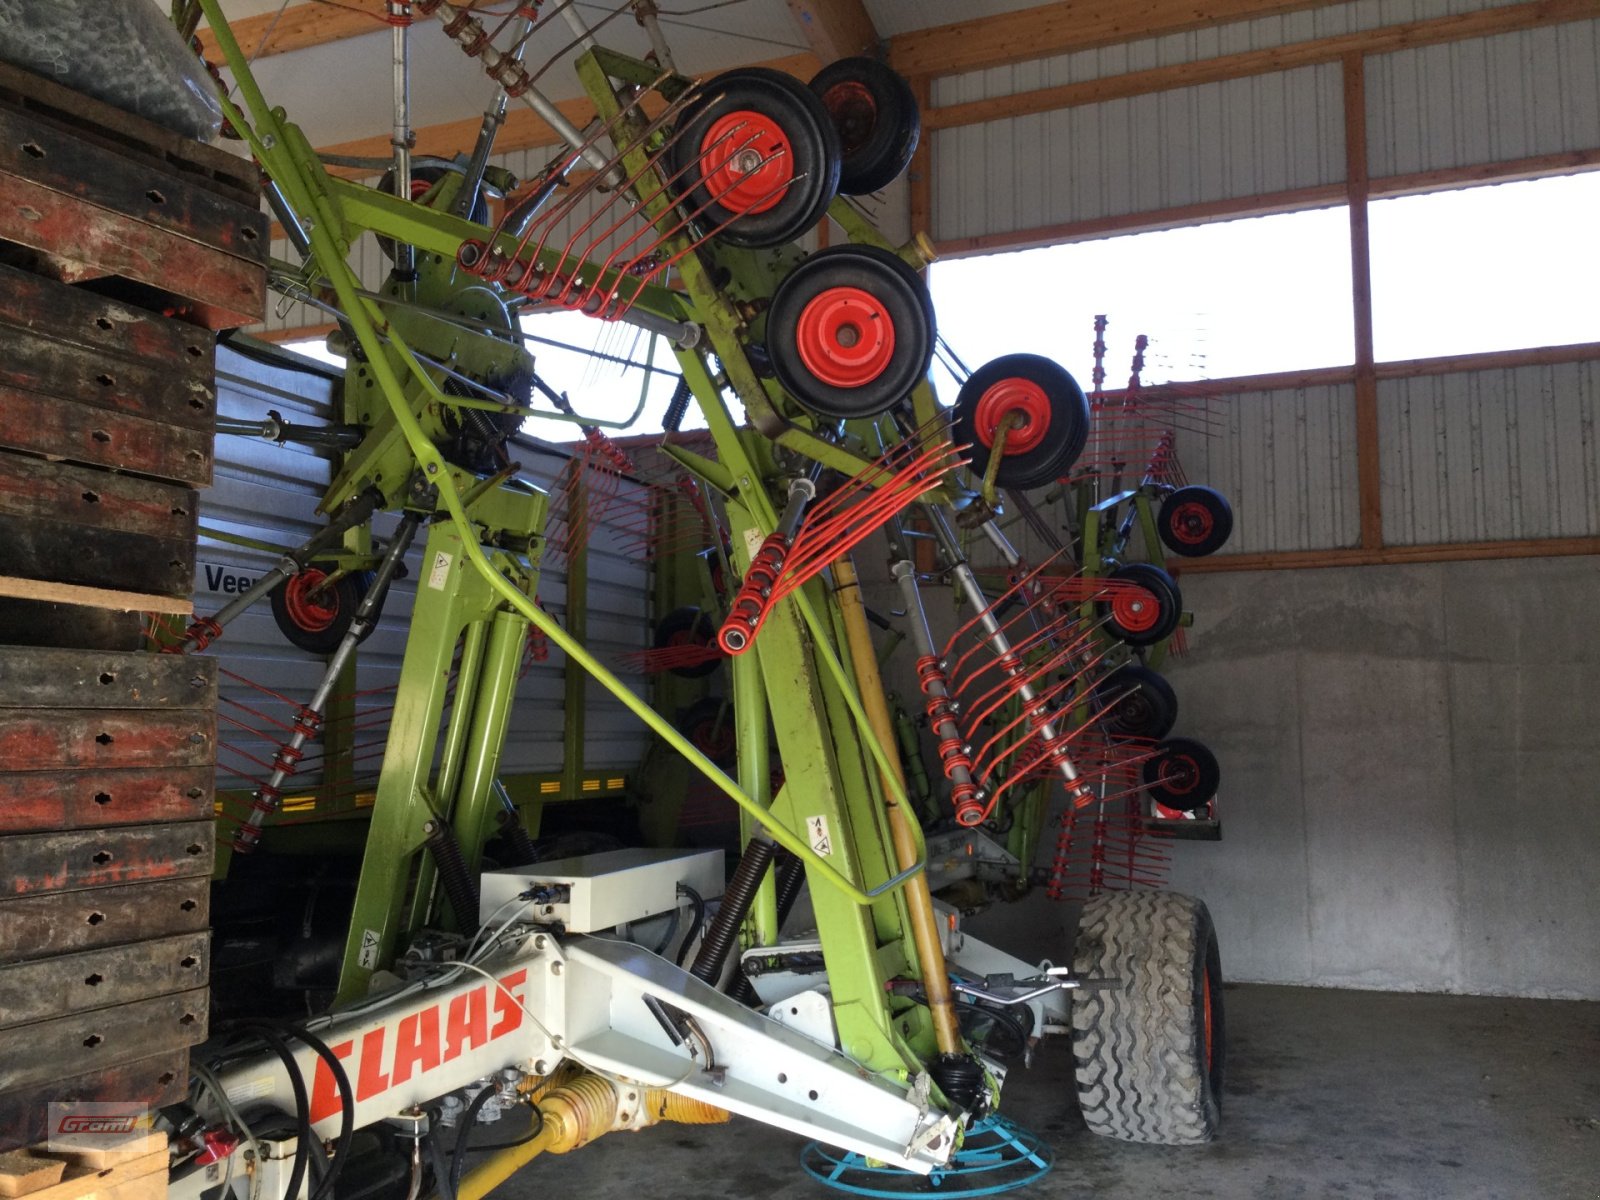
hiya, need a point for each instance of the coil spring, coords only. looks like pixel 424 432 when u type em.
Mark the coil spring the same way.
pixel 968 803
pixel 930 671
pixel 736 900
pixel 609 450
pixel 749 606
pixel 678 406
pixel 459 887
pixel 523 850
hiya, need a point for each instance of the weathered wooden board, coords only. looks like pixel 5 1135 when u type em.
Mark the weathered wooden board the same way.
pixel 169 393
pixel 69 983
pixel 107 125
pixel 67 860
pixel 78 596
pixel 107 1037
pixel 36 927
pixel 80 433
pixel 40 800
pixel 58 738
pixel 49 678
pixel 214 289
pixel 35 622
pixel 65 162
pixel 141 1176
pixel 76 525
pixel 156 1081
pixel 41 306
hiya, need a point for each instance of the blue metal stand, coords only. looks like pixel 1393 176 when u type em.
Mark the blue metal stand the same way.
pixel 995 1156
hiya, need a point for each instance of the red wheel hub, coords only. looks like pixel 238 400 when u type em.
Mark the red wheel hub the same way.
pixel 1016 396
pixel 1134 609
pixel 1179 774
pixel 854 113
pixel 310 605
pixel 845 337
pixel 1205 1007
pixel 746 162
pixel 1192 523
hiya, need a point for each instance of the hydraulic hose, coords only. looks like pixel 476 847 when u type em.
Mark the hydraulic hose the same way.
pixel 919 900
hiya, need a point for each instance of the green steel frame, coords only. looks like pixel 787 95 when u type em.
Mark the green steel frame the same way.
pixel 830 811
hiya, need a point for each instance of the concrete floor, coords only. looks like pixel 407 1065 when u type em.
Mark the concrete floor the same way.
pixel 1329 1094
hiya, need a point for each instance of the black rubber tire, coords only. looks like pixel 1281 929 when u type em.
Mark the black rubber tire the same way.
pixel 1143 704
pixel 715 740
pixel 1195 521
pixel 687 626
pixel 903 298
pixel 346 594
pixel 799 115
pixel 1144 1070
pixel 1169 601
pixel 875 113
pixel 1064 436
pixel 1182 774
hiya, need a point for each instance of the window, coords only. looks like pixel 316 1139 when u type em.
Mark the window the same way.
pixel 1229 298
pixel 1486 268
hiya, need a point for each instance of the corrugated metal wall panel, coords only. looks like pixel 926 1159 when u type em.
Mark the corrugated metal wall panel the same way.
pixel 1217 141
pixel 1286 460
pixel 1491 455
pixel 1238 37
pixel 270 493
pixel 1485 100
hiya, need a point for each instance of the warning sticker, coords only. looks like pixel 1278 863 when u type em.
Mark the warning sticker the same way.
pixel 441 571
pixel 753 540
pixel 368 957
pixel 821 837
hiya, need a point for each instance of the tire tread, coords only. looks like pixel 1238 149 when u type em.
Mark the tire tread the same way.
pixel 1136 1050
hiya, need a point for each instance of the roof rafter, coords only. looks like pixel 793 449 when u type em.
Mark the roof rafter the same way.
pixel 835 29
pixel 1058 28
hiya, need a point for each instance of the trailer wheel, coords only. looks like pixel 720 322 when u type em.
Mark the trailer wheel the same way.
pixel 1142 703
pixel 874 112
pixel 1149 1052
pixel 850 332
pixel 1195 521
pixel 1048 411
pixel 708 724
pixel 1182 774
pixel 1146 613
pixel 687 626
pixel 756 158
pixel 312 616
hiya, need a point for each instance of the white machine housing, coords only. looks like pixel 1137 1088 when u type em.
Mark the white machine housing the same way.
pixel 603 890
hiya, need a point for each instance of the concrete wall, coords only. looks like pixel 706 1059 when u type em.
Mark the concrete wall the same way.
pixel 1411 778
pixel 1410 774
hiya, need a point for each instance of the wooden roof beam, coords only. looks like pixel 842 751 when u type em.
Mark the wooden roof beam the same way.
pixel 835 29
pixel 300 26
pixel 1059 28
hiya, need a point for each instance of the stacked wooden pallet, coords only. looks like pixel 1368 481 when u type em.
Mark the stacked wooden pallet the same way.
pixel 133 1168
pixel 122 247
